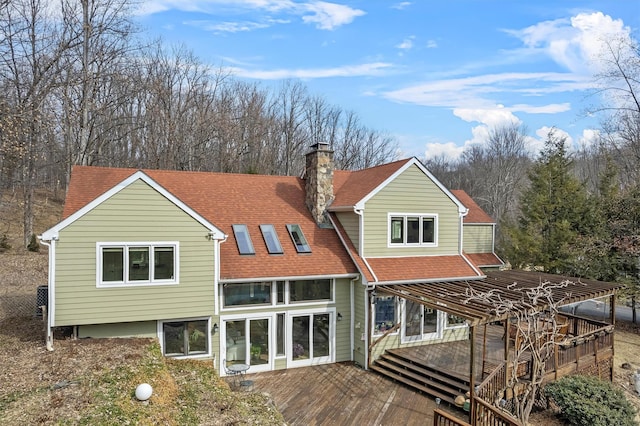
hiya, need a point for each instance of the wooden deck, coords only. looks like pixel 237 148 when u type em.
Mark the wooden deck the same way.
pixel 344 394
pixel 454 357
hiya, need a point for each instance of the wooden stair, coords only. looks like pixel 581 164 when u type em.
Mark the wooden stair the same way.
pixel 417 374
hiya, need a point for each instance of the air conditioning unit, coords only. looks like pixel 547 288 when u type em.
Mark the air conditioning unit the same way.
pixel 42 299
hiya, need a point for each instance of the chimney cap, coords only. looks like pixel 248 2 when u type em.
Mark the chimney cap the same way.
pixel 320 145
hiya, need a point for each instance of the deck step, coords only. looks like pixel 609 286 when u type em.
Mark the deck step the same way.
pixel 446 397
pixel 407 356
pixel 420 376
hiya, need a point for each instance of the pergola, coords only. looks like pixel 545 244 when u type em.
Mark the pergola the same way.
pixel 457 298
pixel 451 296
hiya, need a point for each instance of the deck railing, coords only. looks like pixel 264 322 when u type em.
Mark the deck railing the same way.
pixel 592 344
pixel 488 415
pixel 442 418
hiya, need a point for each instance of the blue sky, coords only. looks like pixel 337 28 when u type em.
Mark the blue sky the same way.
pixel 435 75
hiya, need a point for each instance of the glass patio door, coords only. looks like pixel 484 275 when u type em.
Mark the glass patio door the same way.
pixel 413 321
pixel 420 322
pixel 247 341
pixel 311 339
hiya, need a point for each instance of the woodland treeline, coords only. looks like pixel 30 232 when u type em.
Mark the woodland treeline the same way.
pixel 80 84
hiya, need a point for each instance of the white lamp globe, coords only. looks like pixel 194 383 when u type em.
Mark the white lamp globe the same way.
pixel 144 391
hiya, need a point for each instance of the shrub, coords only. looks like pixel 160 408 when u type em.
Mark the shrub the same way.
pixel 585 400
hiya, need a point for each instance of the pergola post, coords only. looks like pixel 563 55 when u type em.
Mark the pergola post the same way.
pixel 472 385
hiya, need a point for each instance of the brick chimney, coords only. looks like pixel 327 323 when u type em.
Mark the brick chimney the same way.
pixel 319 181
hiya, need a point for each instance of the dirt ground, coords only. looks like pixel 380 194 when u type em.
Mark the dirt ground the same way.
pixel 21 338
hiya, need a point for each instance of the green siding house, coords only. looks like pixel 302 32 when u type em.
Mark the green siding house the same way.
pixel 273 272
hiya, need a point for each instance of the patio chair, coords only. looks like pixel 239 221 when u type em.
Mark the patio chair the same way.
pixel 233 375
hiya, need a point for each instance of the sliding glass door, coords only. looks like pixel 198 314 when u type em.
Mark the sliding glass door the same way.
pixel 248 342
pixel 311 339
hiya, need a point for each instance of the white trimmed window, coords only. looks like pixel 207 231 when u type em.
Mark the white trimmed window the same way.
pixel 413 229
pixel 185 338
pixel 123 264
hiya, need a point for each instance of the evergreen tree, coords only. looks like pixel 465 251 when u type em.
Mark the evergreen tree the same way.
pixel 554 213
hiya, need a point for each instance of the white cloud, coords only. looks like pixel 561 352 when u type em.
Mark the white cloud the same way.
pixel 449 150
pixel 589 137
pixel 491 116
pixel 573 43
pixel 329 16
pixel 325 15
pixel 432 44
pixel 402 5
pixel 227 27
pixel 406 44
pixel 537 145
pixel 370 69
pixel 478 91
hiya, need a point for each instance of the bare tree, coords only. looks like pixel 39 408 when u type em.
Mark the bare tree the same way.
pixel 495 172
pixel 619 89
pixel 290 104
pixel 33 45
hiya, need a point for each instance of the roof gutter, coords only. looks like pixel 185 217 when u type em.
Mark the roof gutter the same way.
pixel 433 280
pixel 300 277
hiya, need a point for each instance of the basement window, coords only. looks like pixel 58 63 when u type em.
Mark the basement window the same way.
pixel 298 239
pixel 185 338
pixel 245 246
pixel 271 239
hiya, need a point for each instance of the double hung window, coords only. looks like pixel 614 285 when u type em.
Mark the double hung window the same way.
pixel 137 263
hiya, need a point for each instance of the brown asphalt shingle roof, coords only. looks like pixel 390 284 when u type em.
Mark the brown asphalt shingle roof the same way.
pixel 421 268
pixel 476 214
pixel 351 187
pixel 225 199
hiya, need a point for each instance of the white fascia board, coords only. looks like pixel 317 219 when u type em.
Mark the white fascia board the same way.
pixel 413 161
pixel 53 232
pixel 433 280
pixel 290 278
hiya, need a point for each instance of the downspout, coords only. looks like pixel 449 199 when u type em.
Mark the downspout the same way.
pixel 352 314
pixel 460 234
pixel 216 286
pixel 368 287
pixel 216 270
pixel 50 290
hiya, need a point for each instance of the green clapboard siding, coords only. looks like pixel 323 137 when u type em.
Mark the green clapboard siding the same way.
pixel 359 324
pixel 136 213
pixel 126 329
pixel 478 238
pixel 411 192
pixel 351 224
pixel 343 337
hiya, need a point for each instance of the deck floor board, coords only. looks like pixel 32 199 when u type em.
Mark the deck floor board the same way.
pixel 343 394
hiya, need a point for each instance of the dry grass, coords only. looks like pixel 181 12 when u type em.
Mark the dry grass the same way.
pixel 92 381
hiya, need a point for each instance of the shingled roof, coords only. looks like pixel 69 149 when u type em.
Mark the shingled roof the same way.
pixel 225 199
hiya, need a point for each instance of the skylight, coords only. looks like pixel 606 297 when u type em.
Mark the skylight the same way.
pixel 243 239
pixel 271 239
pixel 298 239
